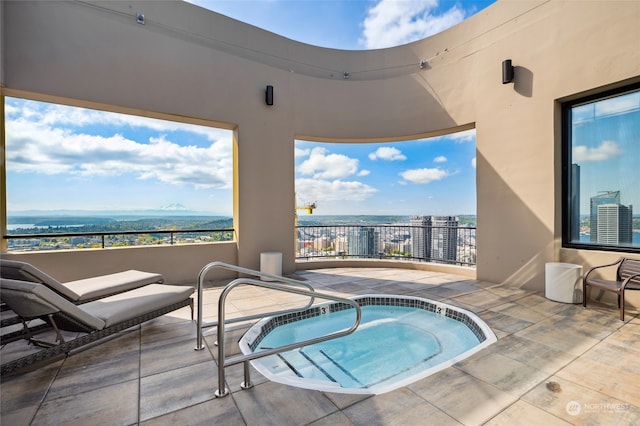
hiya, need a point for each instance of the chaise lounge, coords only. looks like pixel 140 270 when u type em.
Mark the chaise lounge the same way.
pixel 77 292
pixel 98 319
pixel 84 290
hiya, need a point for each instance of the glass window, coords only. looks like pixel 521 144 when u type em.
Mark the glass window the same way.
pixel 601 171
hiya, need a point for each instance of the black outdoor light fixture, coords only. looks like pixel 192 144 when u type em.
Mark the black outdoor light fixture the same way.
pixel 507 71
pixel 269 95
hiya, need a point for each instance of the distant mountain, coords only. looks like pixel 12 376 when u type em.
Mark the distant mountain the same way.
pixel 174 207
pixel 64 221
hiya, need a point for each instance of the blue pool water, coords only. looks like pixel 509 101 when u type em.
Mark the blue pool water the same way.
pixel 392 346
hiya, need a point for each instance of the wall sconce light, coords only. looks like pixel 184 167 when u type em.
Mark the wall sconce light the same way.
pixel 269 95
pixel 507 71
pixel 140 18
pixel 423 64
pixel 345 75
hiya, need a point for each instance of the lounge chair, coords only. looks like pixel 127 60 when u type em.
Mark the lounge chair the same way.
pixel 98 319
pixel 627 278
pixel 80 291
pixel 77 292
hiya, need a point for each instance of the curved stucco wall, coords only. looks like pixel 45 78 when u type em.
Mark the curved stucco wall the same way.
pixel 191 64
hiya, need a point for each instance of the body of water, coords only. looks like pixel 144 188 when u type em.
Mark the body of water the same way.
pixel 635 238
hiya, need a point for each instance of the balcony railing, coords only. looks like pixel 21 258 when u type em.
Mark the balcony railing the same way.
pixel 439 244
pixel 80 240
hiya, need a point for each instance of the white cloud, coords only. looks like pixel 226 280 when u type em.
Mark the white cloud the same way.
pixel 463 136
pixel 299 152
pixel 322 165
pixel 424 176
pixel 63 116
pixel 364 173
pixel 332 190
pixel 54 139
pixel 392 22
pixel 606 150
pixel 618 105
pixel 473 162
pixel 387 153
pixel 440 159
pixel 458 137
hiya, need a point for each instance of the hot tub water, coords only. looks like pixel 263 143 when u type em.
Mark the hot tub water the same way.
pixel 399 340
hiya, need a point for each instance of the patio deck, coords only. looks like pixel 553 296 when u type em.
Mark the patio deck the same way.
pixel 553 364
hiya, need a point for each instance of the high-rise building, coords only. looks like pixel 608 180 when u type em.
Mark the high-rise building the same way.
pixel 609 197
pixel 575 203
pixel 420 232
pixel 322 242
pixel 341 244
pixel 434 237
pixel 444 238
pixel 363 242
pixel 614 223
pixel 611 222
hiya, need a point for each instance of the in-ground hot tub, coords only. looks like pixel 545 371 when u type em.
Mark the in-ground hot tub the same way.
pixel 400 339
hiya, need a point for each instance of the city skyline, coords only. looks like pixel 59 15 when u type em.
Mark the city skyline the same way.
pixel 432 238
pixel 439 238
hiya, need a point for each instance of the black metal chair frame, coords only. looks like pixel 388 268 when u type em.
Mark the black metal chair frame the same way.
pixel 56 318
pixel 627 278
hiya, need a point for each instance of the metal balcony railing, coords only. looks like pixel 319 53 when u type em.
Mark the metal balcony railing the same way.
pixel 80 240
pixel 436 244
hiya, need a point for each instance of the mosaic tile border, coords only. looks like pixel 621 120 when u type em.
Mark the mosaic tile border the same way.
pixel 406 302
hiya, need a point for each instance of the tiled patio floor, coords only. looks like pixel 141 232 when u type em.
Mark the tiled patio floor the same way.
pixel 553 364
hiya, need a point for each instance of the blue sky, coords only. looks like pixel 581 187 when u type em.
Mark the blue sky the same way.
pixel 60 157
pixel 349 24
pixel 428 176
pixel 605 139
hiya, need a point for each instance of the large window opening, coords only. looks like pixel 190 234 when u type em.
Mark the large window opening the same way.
pixel 413 200
pixel 98 177
pixel 601 154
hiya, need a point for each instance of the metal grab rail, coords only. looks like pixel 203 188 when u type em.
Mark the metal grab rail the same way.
pixel 210 266
pixel 222 362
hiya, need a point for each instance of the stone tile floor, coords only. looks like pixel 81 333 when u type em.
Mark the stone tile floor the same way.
pixel 553 364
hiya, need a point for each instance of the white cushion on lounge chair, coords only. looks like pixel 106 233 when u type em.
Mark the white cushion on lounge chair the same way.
pixel 80 290
pixel 31 300
pixel 96 287
pixel 134 303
